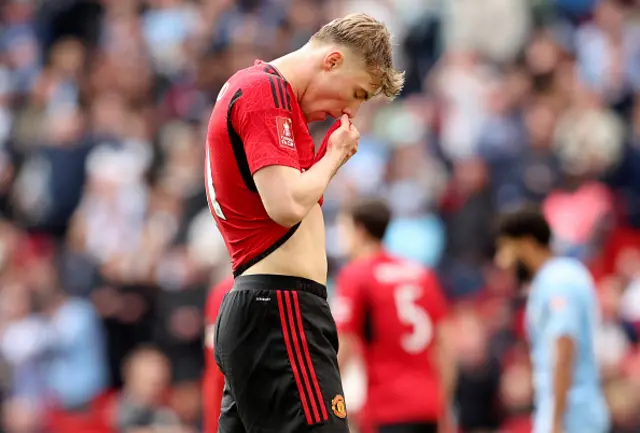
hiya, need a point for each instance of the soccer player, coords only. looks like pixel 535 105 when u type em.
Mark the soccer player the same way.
pixel 395 311
pixel 275 339
pixel 561 315
pixel 213 378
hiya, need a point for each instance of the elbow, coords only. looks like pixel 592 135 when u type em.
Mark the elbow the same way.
pixel 286 214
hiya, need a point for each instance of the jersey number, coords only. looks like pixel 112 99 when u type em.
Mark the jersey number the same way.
pixel 212 191
pixel 412 314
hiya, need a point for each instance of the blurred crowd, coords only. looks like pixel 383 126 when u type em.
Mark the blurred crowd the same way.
pixel 108 250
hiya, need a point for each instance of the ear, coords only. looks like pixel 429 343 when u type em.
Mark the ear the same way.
pixel 529 245
pixel 332 60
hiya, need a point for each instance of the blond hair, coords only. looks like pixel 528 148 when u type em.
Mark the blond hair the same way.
pixel 370 39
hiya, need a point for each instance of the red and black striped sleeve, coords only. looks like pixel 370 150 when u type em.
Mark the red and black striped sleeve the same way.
pixel 263 121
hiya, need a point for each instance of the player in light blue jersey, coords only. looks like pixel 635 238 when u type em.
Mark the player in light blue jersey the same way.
pixel 561 317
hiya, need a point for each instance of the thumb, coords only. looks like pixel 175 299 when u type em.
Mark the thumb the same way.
pixel 344 121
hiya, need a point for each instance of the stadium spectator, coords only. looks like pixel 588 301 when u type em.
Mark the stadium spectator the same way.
pixel 140 406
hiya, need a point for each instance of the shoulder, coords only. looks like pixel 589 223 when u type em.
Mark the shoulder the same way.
pixel 356 273
pixel 567 275
pixel 257 86
pixel 250 78
pixel 394 269
pixel 352 270
pixel 568 269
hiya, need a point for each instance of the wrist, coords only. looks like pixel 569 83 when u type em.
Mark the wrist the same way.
pixel 335 160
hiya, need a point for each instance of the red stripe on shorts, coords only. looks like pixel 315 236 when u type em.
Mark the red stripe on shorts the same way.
pixel 314 378
pixel 298 350
pixel 292 361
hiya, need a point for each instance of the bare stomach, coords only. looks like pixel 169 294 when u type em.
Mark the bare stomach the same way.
pixel 303 255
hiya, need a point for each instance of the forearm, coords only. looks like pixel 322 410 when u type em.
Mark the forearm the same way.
pixel 448 375
pixel 447 368
pixel 562 377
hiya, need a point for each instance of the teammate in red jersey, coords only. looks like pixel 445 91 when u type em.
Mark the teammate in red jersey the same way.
pixel 213 378
pixel 395 309
pixel 275 339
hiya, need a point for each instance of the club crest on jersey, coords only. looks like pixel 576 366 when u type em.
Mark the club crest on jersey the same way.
pixel 285 132
pixel 339 407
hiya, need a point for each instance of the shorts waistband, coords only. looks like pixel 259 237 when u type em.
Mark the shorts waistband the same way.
pixel 279 282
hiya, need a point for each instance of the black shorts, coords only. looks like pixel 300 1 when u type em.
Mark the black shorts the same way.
pixel 424 427
pixel 276 344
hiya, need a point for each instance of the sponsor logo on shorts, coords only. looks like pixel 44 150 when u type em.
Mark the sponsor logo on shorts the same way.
pixel 285 132
pixel 338 406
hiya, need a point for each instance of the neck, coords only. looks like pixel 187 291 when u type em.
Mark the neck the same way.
pixel 297 68
pixel 539 260
pixel 368 249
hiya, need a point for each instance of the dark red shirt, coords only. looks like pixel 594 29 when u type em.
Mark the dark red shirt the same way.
pixel 213 378
pixel 256 122
pixel 394 306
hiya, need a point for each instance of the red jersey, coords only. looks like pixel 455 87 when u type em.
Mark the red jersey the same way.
pixel 213 378
pixel 256 122
pixel 394 306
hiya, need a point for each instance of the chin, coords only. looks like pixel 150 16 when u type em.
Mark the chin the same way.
pixel 319 117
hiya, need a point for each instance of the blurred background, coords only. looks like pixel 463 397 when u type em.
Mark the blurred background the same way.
pixel 108 250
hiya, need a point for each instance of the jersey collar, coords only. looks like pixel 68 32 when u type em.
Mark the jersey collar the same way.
pixel 269 69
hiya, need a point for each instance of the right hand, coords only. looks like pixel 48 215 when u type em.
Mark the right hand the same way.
pixel 344 140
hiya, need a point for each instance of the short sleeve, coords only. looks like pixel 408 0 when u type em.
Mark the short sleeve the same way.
pixel 563 313
pixel 348 311
pixel 264 123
